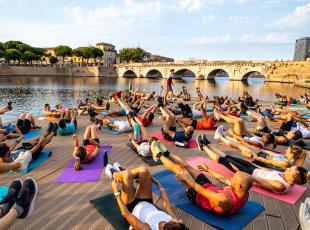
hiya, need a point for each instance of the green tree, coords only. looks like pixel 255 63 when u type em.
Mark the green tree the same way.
pixel 96 53
pixel 63 51
pixel 79 53
pixel 131 54
pixel 11 44
pixel 53 60
pixel 29 56
pixel 87 53
pixel 12 55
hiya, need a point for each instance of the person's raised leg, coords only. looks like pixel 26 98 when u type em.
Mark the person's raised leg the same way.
pixel 31 119
pixel 144 189
pixel 124 105
pixel 127 179
pixel 87 133
pixel 93 131
pixel 67 114
pixel 7 220
pixel 22 116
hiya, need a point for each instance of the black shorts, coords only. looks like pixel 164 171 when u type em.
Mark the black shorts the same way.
pixel 87 142
pixel 29 146
pixel 265 130
pixel 133 204
pixel 167 136
pixel 23 125
pixel 194 123
pixel 242 165
pixel 191 194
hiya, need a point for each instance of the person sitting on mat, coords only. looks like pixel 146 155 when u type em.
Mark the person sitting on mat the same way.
pixel 272 180
pixel 19 159
pixel 26 122
pixel 169 130
pixel 136 204
pixel 186 95
pixel 206 123
pixel 294 155
pixel 18 202
pixel 200 190
pixel 90 148
pixel 67 123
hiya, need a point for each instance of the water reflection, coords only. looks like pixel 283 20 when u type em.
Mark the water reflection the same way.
pixel 30 93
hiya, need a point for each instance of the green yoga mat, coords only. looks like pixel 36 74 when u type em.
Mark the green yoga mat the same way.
pixel 108 208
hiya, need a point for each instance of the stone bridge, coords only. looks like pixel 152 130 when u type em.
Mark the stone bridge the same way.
pixel 278 71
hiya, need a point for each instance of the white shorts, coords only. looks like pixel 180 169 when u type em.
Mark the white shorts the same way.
pixel 123 125
pixel 144 149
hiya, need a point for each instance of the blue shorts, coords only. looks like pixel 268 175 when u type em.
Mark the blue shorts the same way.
pixel 123 112
pixel 9 128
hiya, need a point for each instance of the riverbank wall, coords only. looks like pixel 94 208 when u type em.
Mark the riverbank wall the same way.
pixel 79 71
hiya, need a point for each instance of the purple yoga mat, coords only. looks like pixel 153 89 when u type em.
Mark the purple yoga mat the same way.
pixel 90 171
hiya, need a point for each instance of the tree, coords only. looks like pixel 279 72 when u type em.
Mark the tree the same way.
pixel 53 60
pixel 78 52
pixel 131 54
pixel 29 56
pixel 63 51
pixel 87 53
pixel 96 53
pixel 12 55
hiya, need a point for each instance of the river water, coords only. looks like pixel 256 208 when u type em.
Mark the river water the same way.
pixel 29 94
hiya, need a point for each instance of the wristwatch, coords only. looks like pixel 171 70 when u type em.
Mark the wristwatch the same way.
pixel 116 194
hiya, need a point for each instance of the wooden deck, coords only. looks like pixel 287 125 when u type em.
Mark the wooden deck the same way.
pixel 67 206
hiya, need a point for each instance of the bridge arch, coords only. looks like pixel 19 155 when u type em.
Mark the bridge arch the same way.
pixel 254 74
pixel 180 73
pixel 154 73
pixel 130 74
pixel 217 72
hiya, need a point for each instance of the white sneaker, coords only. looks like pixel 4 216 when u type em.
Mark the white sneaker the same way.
pixel 24 158
pixel 219 132
pixel 109 170
pixel 117 167
pixel 304 215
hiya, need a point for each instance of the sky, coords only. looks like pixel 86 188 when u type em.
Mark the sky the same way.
pixel 181 29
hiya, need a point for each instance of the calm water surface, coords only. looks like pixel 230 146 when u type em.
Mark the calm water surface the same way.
pixel 29 94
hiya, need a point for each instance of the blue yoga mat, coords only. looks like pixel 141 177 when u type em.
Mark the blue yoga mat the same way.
pixel 31 135
pixel 306 115
pixel 43 157
pixel 176 193
pixel 3 191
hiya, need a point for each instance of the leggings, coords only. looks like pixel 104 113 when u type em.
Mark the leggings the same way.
pixel 239 163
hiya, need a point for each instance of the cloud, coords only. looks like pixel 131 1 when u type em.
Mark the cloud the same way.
pixel 299 17
pixel 190 5
pixel 252 39
pixel 237 20
pixel 130 14
pixel 208 19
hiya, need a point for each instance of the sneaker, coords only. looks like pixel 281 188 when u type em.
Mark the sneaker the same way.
pixel 11 196
pixel 155 149
pixel 50 127
pixel 304 214
pixel 160 101
pixel 10 105
pixel 217 112
pixel 24 158
pixel 205 139
pixel 55 128
pixel 109 170
pixel 199 142
pixel 219 132
pixel 27 197
pixel 163 148
pixel 117 167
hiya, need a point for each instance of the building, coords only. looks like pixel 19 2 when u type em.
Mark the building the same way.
pixel 148 57
pixel 109 53
pixel 302 49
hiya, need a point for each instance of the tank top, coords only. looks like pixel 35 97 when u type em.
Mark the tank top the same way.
pixel 203 203
pixel 149 214
pixel 271 175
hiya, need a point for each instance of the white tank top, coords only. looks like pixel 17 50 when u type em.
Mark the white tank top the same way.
pixel 149 214
pixel 271 175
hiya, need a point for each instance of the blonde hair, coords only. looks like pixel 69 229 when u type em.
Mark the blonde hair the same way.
pixel 77 164
pixel 298 155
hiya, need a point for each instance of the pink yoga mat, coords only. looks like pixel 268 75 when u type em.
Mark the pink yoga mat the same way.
pixel 90 172
pixel 192 143
pixel 291 197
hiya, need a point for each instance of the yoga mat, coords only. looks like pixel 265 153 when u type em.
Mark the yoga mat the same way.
pixel 307 115
pixel 30 135
pixel 159 136
pixel 176 194
pixel 108 208
pixel 114 132
pixel 3 191
pixel 148 160
pixel 298 108
pixel 90 171
pixel 43 157
pixel 291 197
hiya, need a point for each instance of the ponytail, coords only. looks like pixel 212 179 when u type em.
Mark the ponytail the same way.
pixel 77 164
